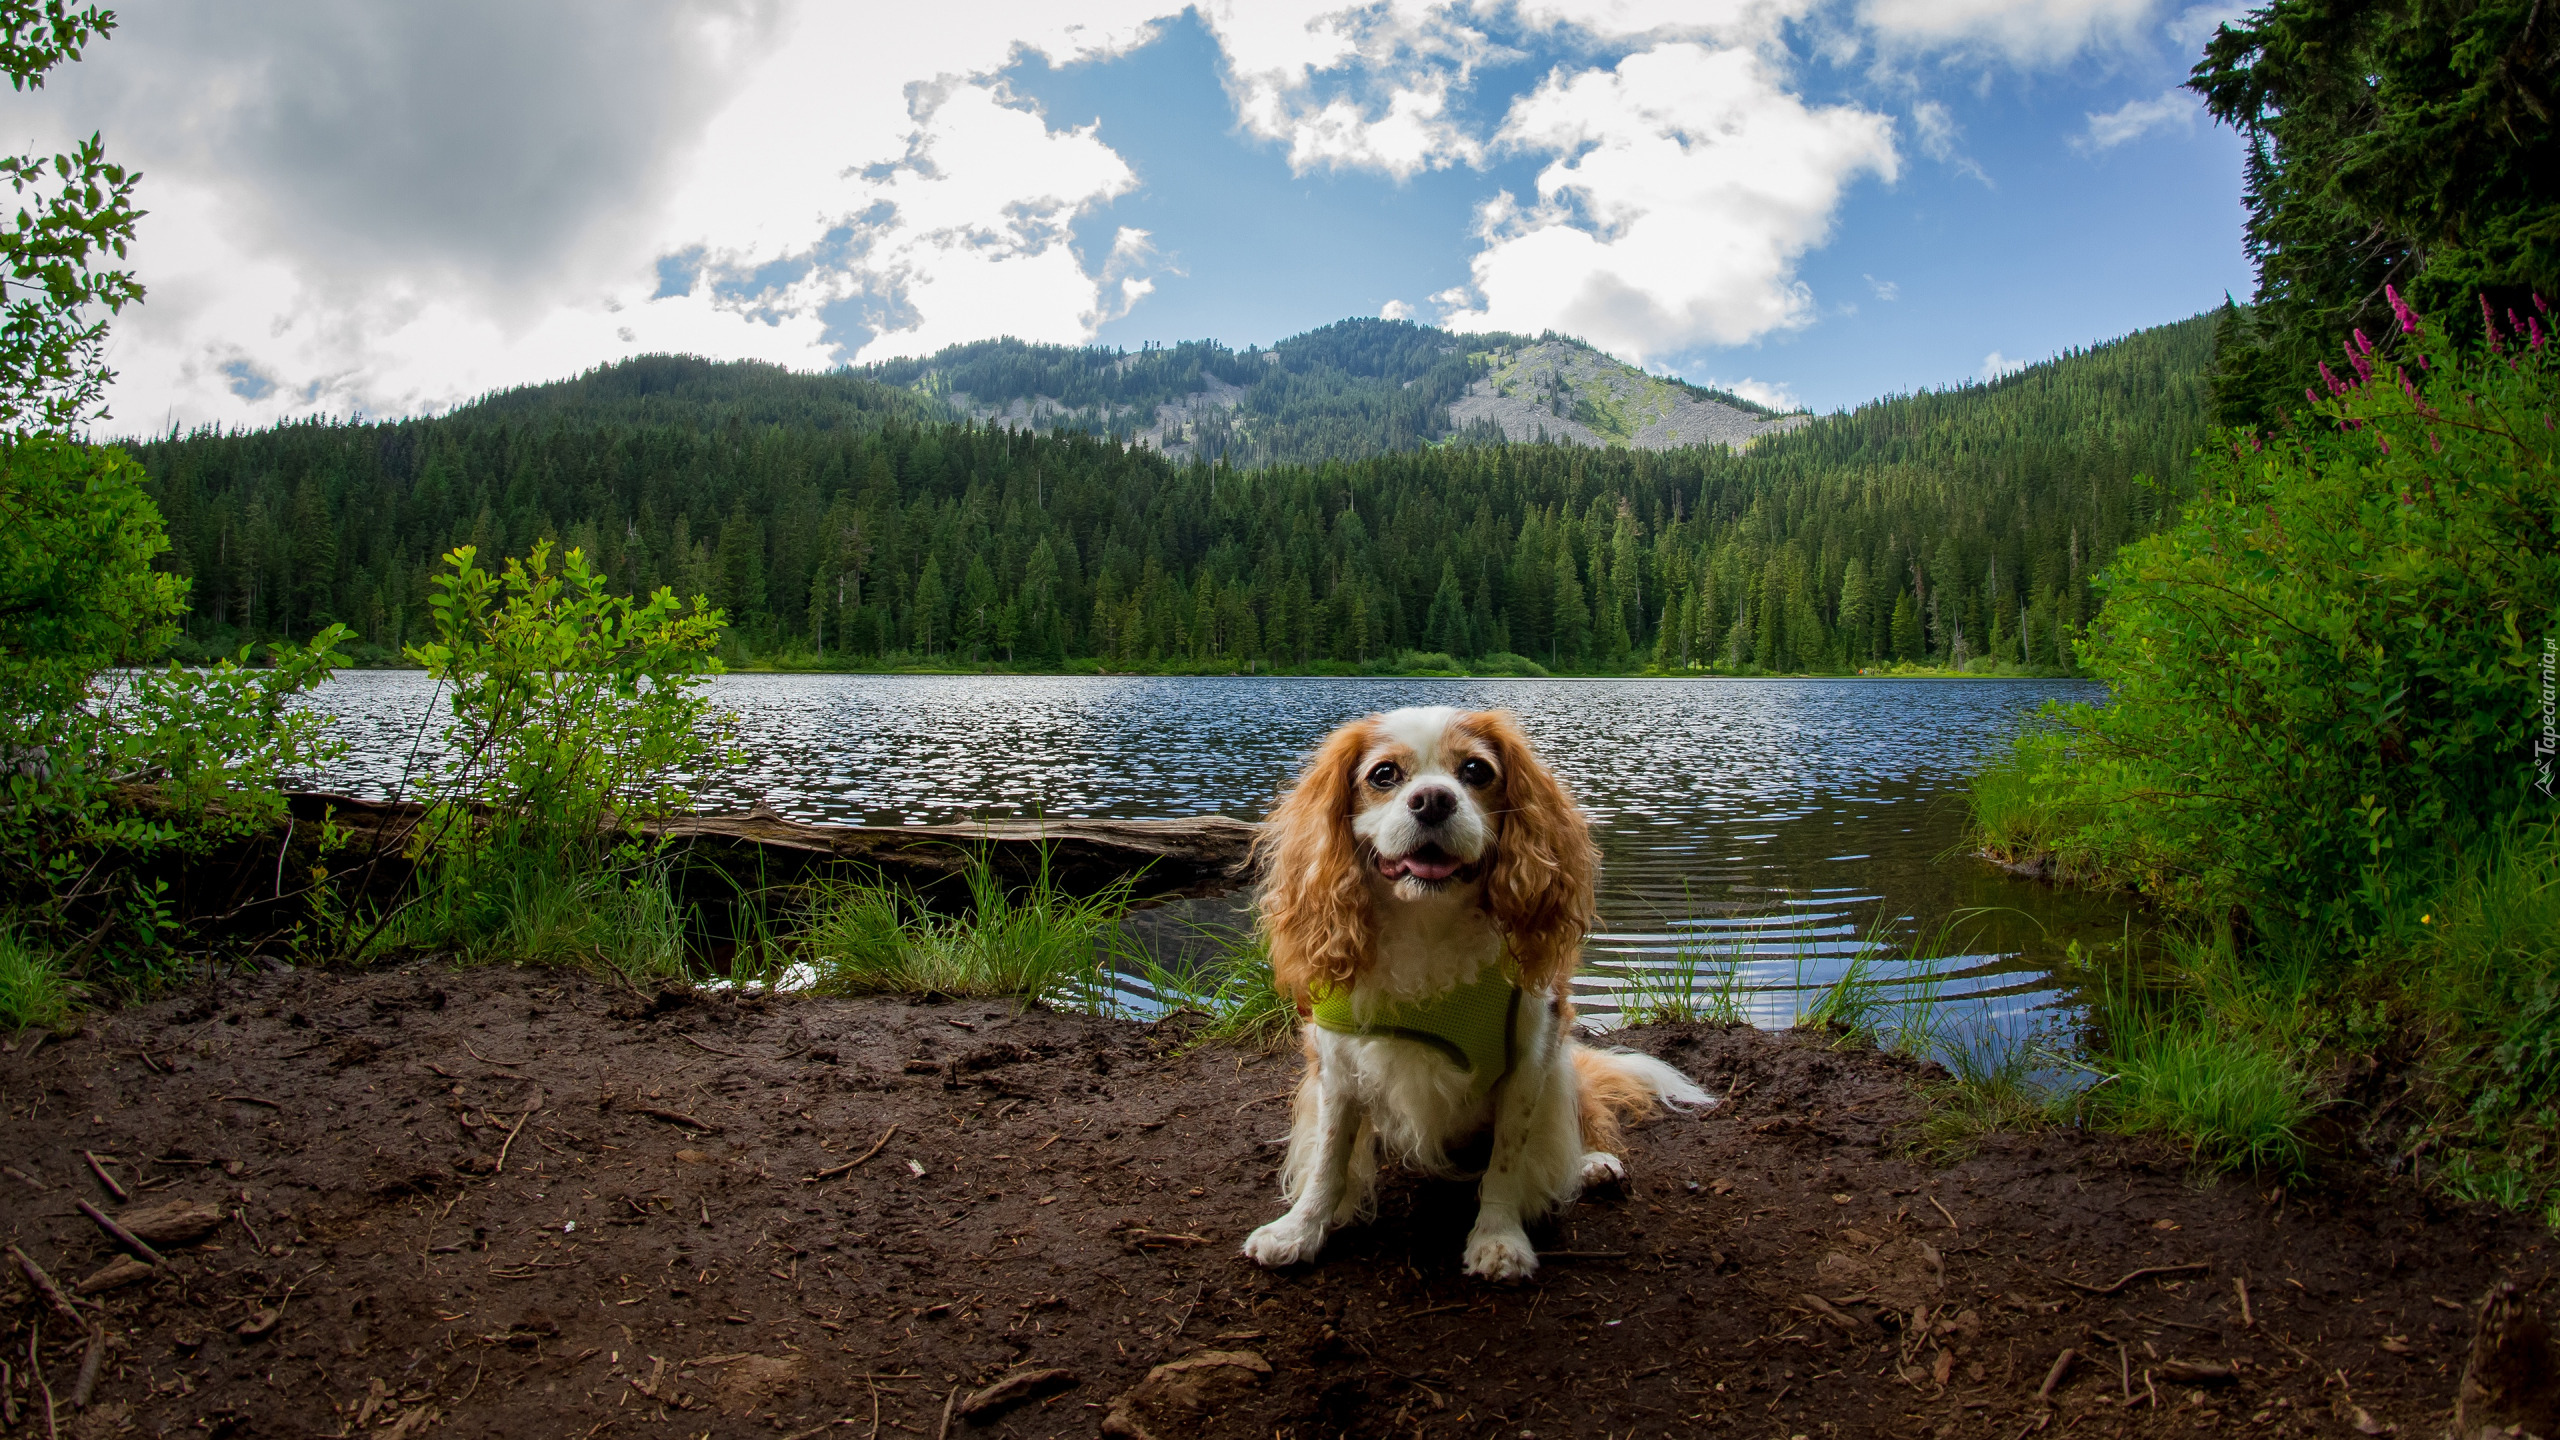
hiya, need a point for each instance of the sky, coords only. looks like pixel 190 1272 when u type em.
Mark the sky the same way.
pixel 378 210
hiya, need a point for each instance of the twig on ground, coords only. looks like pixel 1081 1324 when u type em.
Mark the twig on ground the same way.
pixel 98 1168
pixel 501 1166
pixel 2240 1283
pixel 253 1100
pixel 89 1364
pixel 2136 1275
pixel 45 1287
pixel 674 1117
pixel 485 1060
pixel 714 1049
pixel 833 1172
pixel 1951 1220
pixel 126 1238
pixel 2053 1377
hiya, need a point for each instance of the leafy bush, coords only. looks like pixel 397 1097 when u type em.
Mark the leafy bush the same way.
pixel 78 598
pixel 575 712
pixel 221 742
pixel 2323 678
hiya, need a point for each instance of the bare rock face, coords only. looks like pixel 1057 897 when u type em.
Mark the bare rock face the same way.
pixel 2511 1387
pixel 1176 1397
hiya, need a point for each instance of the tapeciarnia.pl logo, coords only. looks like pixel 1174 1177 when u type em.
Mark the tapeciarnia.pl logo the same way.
pixel 2549 740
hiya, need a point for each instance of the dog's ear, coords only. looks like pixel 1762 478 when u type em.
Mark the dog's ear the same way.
pixel 1544 884
pixel 1315 901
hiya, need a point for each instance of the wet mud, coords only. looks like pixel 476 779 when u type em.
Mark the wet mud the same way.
pixel 513 1202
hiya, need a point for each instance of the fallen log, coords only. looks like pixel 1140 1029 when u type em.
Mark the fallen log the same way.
pixel 1161 859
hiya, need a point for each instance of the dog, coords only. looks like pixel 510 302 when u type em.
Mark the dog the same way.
pixel 1426 887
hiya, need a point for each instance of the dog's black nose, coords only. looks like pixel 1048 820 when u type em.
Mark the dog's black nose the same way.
pixel 1431 805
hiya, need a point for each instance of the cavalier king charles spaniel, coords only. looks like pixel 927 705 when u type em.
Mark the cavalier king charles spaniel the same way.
pixel 1426 888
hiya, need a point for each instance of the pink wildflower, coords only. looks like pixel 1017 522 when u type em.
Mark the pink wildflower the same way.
pixel 2489 320
pixel 2336 387
pixel 2400 308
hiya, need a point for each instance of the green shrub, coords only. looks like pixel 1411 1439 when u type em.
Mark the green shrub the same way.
pixel 1503 662
pixel 2323 678
pixel 575 713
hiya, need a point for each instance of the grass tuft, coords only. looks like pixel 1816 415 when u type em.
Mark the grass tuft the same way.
pixel 1035 941
pixel 2209 1054
pixel 33 989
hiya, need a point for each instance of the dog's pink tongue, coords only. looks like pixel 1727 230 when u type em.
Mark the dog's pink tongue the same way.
pixel 1421 869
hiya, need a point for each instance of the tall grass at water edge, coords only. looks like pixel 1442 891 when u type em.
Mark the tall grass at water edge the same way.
pixel 1035 940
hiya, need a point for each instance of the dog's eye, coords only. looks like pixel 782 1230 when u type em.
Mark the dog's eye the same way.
pixel 1476 773
pixel 1384 775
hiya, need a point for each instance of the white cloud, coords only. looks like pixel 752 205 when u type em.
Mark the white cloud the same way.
pixel 2196 24
pixel 2025 32
pixel 1938 133
pixel 964 237
pixel 2172 109
pixel 1761 392
pixel 1395 310
pixel 1686 184
pixel 1885 289
pixel 375 211
pixel 1386 72
pixel 1995 365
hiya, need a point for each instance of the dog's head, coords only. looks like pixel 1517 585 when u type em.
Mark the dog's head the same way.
pixel 1424 806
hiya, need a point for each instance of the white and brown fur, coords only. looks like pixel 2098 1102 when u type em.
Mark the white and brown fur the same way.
pixel 1415 846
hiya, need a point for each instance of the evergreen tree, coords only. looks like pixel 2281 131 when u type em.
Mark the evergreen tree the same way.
pixel 1908 643
pixel 1572 628
pixel 1446 627
pixel 932 605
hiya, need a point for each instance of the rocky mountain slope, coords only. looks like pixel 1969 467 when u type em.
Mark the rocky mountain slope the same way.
pixel 1563 390
pixel 1342 392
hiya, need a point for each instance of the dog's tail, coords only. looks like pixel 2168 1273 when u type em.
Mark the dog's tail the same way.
pixel 1623 1084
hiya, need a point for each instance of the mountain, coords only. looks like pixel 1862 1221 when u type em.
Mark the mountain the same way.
pixel 1350 390
pixel 843 520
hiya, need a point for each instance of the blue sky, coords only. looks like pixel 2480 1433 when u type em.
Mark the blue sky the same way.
pixel 383 211
pixel 2024 239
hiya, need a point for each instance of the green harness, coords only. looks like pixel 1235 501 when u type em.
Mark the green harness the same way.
pixel 1475 1025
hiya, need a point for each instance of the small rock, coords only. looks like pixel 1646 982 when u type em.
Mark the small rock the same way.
pixel 1176 1397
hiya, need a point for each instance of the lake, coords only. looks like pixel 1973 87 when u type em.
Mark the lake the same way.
pixel 1758 834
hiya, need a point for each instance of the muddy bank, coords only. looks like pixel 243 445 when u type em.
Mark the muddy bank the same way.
pixel 503 1202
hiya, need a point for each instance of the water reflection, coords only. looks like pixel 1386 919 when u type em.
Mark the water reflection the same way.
pixel 1758 834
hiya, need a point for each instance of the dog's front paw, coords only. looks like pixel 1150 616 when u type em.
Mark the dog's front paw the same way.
pixel 1599 1167
pixel 1501 1254
pixel 1284 1241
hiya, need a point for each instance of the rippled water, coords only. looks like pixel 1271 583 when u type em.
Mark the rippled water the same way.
pixel 1758 834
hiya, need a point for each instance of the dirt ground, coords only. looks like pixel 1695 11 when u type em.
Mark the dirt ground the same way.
pixel 501 1202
